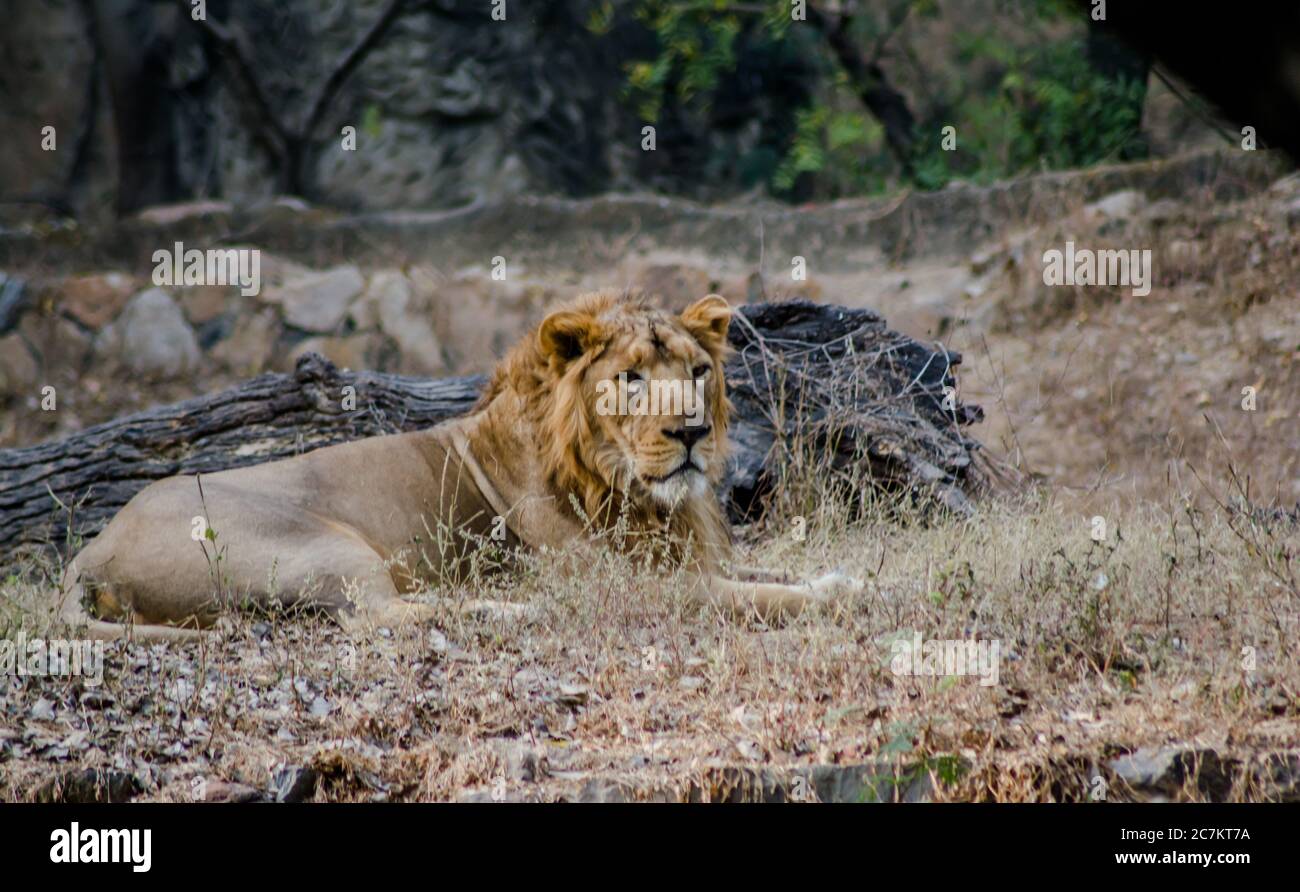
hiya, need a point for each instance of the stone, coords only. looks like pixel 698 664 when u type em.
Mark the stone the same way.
pixel 1166 770
pixel 319 302
pixel 18 368
pixel 224 791
pixel 151 338
pixel 249 348
pixel 277 271
pixel 294 783
pixel 1117 205
pixel 15 297
pixel 87 785
pixel 58 344
pixel 868 783
pixel 95 300
pixel 203 303
pixel 1147 767
pixel 364 311
pixel 392 306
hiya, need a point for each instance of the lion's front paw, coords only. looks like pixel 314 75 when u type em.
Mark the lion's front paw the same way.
pixel 837 586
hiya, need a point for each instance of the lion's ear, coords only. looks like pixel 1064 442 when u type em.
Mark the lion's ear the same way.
pixel 708 319
pixel 566 335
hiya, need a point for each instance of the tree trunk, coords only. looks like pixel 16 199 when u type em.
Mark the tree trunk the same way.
pixel 868 80
pixel 874 398
pixel 134 41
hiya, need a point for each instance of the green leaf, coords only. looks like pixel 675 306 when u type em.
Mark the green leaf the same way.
pixel 370 120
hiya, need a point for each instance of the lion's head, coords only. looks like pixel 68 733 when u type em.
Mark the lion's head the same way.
pixel 628 405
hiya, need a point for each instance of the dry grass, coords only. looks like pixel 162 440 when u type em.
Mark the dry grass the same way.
pixel 1105 647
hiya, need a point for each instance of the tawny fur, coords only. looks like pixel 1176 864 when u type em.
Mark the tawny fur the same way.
pixel 346 528
pixel 577 459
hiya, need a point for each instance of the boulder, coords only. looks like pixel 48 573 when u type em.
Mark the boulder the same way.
pixel 151 338
pixel 319 302
pixel 251 345
pixel 58 344
pixel 95 300
pixel 18 369
pixel 1120 205
pixel 393 307
pixel 203 303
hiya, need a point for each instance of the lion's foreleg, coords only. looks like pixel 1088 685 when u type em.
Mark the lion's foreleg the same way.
pixel 770 600
pixel 361 596
pixel 375 613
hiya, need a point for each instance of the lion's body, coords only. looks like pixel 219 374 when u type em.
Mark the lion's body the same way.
pixel 350 528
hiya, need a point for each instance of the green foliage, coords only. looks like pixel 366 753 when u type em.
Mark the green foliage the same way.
pixel 1030 105
pixel 370 121
pixel 1049 109
pixel 696 47
pixel 601 18
pixel 832 145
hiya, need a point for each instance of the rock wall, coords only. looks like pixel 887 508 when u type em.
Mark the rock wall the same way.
pixel 450 107
pixel 48 79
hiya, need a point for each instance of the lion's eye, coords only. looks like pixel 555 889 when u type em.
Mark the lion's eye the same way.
pixel 701 370
pixel 632 376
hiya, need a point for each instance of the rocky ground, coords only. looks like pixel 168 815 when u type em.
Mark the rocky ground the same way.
pixel 1128 680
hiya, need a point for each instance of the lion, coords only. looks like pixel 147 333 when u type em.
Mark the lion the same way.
pixel 542 457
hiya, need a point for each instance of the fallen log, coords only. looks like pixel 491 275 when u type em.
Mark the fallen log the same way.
pixel 874 399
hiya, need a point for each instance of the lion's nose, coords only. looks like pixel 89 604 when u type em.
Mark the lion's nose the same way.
pixel 689 435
